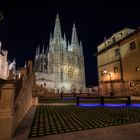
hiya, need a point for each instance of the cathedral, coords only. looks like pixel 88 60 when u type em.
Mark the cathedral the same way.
pixel 60 67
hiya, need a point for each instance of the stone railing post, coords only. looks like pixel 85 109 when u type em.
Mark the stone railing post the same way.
pixel 7 111
pixel 23 72
pixel 30 65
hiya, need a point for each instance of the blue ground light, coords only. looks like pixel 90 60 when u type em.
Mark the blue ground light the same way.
pixel 109 105
pixel 68 98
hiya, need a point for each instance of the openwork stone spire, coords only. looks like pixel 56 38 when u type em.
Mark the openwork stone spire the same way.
pixel 74 38
pixel 57 29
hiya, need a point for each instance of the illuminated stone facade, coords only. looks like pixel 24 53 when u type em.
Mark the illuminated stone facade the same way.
pixel 119 57
pixel 61 66
pixel 4 68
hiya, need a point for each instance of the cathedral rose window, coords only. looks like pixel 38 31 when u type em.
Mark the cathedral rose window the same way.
pixel 70 73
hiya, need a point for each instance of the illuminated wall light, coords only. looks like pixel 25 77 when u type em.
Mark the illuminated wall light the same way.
pixel 137 69
pixel 105 71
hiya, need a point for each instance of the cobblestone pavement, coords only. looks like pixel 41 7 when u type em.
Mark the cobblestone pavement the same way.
pixel 54 119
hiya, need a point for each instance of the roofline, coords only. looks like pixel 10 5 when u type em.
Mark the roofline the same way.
pixel 129 35
pixel 115 33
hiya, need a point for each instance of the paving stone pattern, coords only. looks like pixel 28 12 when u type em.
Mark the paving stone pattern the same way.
pixel 50 120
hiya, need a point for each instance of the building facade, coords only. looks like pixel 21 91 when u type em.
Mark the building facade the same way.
pixel 61 66
pixel 4 68
pixel 118 61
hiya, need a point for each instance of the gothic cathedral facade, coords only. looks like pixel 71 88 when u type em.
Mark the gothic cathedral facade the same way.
pixel 61 66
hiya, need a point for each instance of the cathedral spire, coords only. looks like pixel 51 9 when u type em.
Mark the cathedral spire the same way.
pixel 64 36
pixel 38 51
pixel 57 29
pixel 50 39
pixel 68 43
pixel 43 59
pixel 43 50
pixel 74 38
pixel 81 47
pixel 47 50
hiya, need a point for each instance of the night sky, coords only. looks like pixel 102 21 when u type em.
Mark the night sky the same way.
pixel 26 25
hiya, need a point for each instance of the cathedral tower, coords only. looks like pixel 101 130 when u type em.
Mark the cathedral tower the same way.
pixel 61 67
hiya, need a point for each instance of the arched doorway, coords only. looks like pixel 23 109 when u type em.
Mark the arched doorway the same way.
pixel 63 89
pixel 73 88
pixel 81 89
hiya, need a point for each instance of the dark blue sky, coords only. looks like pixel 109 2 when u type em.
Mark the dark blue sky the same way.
pixel 26 25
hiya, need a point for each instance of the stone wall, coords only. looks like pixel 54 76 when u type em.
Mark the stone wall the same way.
pixel 15 100
pixel 7 126
pixel 24 101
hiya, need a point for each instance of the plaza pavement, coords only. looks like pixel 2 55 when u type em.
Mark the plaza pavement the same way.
pixel 122 132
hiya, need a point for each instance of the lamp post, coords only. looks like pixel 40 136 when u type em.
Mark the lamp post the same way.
pixel 111 85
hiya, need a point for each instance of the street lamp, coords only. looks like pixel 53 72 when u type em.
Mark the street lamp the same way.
pixel 111 85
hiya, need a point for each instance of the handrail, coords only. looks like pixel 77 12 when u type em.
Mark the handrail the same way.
pixel 20 83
